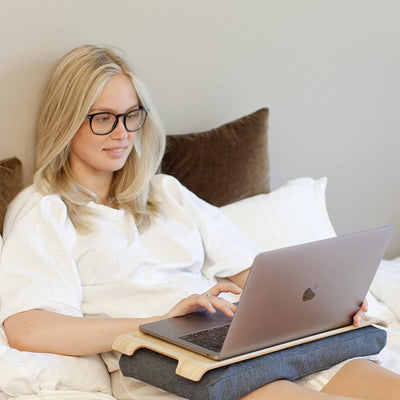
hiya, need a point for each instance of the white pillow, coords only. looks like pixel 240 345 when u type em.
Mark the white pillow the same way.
pixel 23 373
pixel 386 284
pixel 293 214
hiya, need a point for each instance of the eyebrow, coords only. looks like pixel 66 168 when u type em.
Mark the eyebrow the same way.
pixel 110 110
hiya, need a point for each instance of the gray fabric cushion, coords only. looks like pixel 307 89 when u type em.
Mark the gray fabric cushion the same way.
pixel 236 380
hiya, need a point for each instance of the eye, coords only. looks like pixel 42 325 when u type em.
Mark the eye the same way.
pixel 133 115
pixel 102 118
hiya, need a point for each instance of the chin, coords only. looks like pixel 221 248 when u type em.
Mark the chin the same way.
pixel 119 165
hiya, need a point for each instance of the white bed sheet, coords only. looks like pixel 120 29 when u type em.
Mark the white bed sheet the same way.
pixel 60 394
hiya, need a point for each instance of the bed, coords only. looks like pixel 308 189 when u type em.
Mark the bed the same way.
pixel 227 166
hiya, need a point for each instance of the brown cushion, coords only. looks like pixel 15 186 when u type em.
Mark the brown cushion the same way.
pixel 225 164
pixel 10 184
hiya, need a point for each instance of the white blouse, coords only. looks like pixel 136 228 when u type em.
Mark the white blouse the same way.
pixel 115 270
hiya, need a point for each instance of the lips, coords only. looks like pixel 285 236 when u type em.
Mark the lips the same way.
pixel 115 151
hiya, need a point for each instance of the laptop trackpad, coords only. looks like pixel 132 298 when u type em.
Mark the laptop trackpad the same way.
pixel 193 322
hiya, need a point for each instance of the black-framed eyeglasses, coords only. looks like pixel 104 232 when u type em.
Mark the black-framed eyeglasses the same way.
pixel 103 123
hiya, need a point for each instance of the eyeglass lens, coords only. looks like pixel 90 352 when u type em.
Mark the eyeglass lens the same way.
pixel 103 123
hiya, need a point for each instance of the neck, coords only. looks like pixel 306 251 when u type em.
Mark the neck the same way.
pixel 99 185
pixel 102 190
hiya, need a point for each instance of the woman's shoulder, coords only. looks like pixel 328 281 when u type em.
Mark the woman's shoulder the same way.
pixel 163 180
pixel 168 186
pixel 30 198
pixel 30 205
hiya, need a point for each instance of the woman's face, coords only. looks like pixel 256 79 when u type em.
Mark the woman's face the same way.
pixel 93 156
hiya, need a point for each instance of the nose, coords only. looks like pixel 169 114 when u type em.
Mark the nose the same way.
pixel 119 132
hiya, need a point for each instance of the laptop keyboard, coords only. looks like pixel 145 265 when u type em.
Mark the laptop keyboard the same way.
pixel 211 339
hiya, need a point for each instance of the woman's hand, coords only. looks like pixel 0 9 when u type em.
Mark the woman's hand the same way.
pixel 208 300
pixel 359 316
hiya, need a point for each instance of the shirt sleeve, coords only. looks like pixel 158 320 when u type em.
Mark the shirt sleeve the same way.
pixel 37 270
pixel 227 249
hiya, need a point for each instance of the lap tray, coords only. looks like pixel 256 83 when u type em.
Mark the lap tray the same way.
pixel 193 376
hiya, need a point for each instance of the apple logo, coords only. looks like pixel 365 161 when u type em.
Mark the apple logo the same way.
pixel 310 292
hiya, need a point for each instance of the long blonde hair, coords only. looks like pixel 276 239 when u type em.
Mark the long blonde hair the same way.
pixel 74 85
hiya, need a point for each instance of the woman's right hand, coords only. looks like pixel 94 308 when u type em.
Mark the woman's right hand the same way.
pixel 208 300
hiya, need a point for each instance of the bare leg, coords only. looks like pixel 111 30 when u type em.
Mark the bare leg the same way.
pixel 285 390
pixel 364 379
pixel 358 379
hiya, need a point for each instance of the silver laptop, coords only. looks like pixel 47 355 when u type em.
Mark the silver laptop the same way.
pixel 290 293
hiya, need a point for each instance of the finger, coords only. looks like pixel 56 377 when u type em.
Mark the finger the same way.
pixel 225 306
pixel 200 301
pixel 364 306
pixel 223 288
pixel 194 303
pixel 358 318
pixel 218 303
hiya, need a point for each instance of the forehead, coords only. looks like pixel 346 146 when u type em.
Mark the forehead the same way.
pixel 117 95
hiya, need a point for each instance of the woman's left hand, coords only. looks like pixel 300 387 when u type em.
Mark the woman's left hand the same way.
pixel 208 300
pixel 359 316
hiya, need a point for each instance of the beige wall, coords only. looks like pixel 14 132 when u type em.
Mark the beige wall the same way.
pixel 328 70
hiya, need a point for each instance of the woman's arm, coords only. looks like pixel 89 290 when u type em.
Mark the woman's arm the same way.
pixel 240 278
pixel 48 332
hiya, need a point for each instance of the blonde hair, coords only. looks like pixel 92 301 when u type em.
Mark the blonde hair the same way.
pixel 74 85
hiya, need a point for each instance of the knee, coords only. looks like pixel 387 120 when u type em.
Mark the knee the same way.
pixel 358 363
pixel 364 370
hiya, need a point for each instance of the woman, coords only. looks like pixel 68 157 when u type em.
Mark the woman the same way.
pixel 107 238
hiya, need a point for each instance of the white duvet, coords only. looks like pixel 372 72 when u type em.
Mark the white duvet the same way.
pixel 293 214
